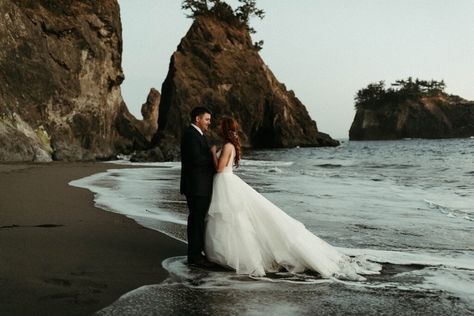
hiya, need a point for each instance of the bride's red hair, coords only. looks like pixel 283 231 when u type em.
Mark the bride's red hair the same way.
pixel 229 132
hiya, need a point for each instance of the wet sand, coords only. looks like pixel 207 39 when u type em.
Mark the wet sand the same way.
pixel 60 255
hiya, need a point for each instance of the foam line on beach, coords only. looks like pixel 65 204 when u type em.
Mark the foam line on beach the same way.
pixel 460 260
pixel 116 191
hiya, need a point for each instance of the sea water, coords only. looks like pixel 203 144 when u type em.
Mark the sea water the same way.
pixel 407 204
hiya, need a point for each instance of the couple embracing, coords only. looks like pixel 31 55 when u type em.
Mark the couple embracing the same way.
pixel 232 225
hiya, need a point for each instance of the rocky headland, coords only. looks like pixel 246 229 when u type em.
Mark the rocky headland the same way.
pixel 60 76
pixel 411 109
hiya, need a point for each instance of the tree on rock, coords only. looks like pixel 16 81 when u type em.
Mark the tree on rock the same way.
pixel 375 93
pixel 197 7
pixel 248 9
pixel 222 10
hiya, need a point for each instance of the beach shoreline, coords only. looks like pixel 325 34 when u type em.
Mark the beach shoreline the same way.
pixel 61 255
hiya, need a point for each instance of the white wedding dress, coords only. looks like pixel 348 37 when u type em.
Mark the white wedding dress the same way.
pixel 248 233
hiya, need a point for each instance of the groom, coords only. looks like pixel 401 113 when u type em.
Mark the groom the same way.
pixel 197 171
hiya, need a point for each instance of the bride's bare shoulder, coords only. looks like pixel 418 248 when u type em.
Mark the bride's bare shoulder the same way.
pixel 228 145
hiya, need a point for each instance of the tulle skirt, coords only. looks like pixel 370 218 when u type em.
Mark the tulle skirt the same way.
pixel 248 233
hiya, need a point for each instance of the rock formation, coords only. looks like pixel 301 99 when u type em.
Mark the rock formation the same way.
pixel 216 65
pixel 60 76
pixel 150 114
pixel 416 115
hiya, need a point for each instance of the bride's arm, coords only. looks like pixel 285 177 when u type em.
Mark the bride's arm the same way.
pixel 224 157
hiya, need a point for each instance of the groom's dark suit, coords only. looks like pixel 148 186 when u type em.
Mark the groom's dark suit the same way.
pixel 197 171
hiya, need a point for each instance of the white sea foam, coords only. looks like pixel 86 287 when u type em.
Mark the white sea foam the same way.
pixel 453 281
pixel 294 294
pixel 135 193
pixel 449 259
pixel 452 211
pixel 127 162
pixel 439 274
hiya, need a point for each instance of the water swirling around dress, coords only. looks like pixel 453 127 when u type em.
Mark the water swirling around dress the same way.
pixel 248 233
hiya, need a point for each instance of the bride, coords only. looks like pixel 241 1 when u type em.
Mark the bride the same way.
pixel 248 233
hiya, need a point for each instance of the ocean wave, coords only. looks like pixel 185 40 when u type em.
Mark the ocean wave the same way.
pixel 399 261
pixel 219 277
pixel 402 271
pixel 328 165
pixel 389 166
pixel 459 260
pixel 399 293
pixel 265 163
pixel 166 164
pixel 128 192
pixel 275 170
pixel 451 211
pixel 430 279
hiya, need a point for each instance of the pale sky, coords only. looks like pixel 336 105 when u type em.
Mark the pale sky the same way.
pixel 324 50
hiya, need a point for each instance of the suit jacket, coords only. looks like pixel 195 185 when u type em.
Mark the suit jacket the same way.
pixel 197 165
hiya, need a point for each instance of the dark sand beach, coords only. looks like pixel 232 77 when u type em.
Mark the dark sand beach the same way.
pixel 60 255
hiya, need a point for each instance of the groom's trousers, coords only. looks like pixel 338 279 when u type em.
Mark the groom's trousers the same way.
pixel 198 207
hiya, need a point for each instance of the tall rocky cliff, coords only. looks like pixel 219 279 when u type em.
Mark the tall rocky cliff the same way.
pixel 60 76
pixel 440 116
pixel 216 65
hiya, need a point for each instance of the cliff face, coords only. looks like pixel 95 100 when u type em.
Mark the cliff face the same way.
pixel 217 66
pixel 60 76
pixel 441 116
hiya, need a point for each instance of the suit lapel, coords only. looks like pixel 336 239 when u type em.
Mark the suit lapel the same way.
pixel 202 138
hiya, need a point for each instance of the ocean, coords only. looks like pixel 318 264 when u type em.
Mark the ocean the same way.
pixel 407 204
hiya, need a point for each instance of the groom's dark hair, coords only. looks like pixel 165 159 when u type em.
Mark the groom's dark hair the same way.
pixel 198 111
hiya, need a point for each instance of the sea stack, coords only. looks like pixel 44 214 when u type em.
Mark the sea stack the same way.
pixel 216 65
pixel 411 109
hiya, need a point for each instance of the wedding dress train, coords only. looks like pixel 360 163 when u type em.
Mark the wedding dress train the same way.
pixel 248 233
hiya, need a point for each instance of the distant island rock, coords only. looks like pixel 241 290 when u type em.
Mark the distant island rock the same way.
pixel 411 109
pixel 60 76
pixel 217 65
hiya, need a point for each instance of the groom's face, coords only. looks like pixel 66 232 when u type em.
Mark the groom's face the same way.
pixel 203 122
